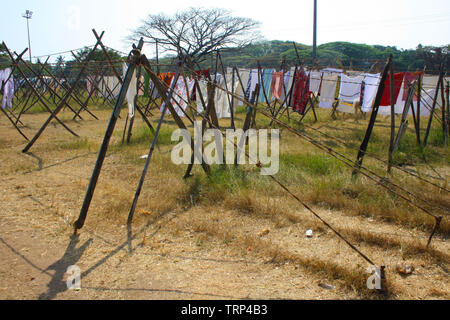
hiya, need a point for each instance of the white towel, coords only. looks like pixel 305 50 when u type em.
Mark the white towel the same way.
pixel 372 82
pixel 202 89
pixel 314 82
pixel 350 89
pixel 132 90
pixel 328 90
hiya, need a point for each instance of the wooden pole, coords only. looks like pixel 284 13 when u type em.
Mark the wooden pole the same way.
pixel 226 88
pixel 373 117
pixel 444 120
pixel 441 73
pixel 448 109
pixel 404 121
pixel 175 116
pixel 109 131
pixel 419 103
pixel 61 104
pixel 53 113
pixel 392 137
pixel 167 99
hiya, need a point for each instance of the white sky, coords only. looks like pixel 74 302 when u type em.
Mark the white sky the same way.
pixel 63 25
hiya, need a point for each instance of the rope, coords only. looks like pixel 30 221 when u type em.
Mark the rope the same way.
pixel 284 187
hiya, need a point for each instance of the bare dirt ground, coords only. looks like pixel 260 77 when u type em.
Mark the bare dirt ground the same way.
pixel 179 251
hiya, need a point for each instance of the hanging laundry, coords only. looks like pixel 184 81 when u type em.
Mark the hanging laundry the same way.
pixel 328 89
pixel 350 89
pixel 349 92
pixel 429 82
pixel 332 70
pixel 426 102
pixel 291 78
pixel 267 81
pixel 181 92
pixel 286 80
pixel 202 73
pixel 253 80
pixel 7 81
pixel 222 100
pixel 166 78
pixel 301 93
pixel 199 74
pixel 277 85
pixel 132 90
pixel 410 77
pixel 315 79
pixel 110 85
pixel 371 82
pixel 244 75
pixel 90 84
pixel 201 89
pixel 398 79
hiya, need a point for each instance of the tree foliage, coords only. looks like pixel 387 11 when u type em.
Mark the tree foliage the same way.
pixel 359 56
pixel 197 32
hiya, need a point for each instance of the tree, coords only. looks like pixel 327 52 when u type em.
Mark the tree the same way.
pixel 197 32
pixel 4 57
pixel 72 67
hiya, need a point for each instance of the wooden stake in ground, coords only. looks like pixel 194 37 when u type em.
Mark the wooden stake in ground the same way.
pixel 373 117
pixel 109 131
pixel 404 120
pixel 436 94
pixel 444 120
pixel 62 103
pixel 40 98
pixel 167 98
pixel 391 140
pixel 175 116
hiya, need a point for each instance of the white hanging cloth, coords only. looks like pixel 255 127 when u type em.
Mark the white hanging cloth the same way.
pixel 132 90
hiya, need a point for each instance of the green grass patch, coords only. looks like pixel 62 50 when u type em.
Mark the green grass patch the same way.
pixel 313 164
pixel 76 144
pixel 143 135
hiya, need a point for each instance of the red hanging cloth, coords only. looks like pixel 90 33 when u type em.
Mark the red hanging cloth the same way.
pixel 301 92
pixel 410 77
pixel 277 84
pixel 398 79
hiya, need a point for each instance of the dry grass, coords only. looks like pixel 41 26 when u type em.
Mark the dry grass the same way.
pixel 247 213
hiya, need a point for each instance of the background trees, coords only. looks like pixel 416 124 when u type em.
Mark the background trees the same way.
pixel 197 32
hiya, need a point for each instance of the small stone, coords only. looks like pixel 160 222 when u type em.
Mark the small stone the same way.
pixel 264 233
pixel 309 233
pixel 405 269
pixel 326 286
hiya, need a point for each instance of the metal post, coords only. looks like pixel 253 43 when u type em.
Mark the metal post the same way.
pixel 315 32
pixel 27 15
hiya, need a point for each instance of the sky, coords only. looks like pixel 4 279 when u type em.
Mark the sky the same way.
pixel 62 25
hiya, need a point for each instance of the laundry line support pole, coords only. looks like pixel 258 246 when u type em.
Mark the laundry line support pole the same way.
pixel 61 104
pixel 167 99
pixel 448 109
pixel 436 94
pixel 392 136
pixel 109 131
pixel 40 98
pixel 444 120
pixel 373 117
